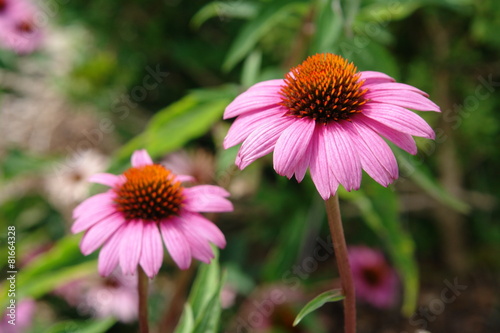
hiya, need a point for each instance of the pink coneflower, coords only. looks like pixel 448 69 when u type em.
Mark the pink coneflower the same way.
pixel 328 117
pixel 18 29
pixel 20 319
pixel 147 201
pixel 376 282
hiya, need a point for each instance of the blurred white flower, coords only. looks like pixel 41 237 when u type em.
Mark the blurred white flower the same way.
pixel 67 184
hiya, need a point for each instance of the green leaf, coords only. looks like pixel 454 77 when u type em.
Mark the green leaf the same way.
pixel 253 31
pixel 224 9
pixel 329 24
pixel 420 175
pixel 251 68
pixel 202 312
pixel 334 295
pixel 186 323
pixel 379 208
pixel 184 120
pixel 63 263
pixel 89 326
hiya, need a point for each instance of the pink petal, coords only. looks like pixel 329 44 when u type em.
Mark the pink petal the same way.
pixel 87 220
pixel 206 228
pixel 257 98
pixel 265 85
pixel 405 99
pixel 141 158
pixel 207 198
pixel 184 178
pixel 402 140
pixel 261 142
pixel 108 256
pixel 376 156
pixel 176 242
pixel 245 124
pixel 371 77
pixel 152 250
pixel 200 247
pixel 107 179
pixel 394 86
pixel 131 246
pixel 291 146
pixel 303 164
pixel 96 202
pixel 99 233
pixel 345 164
pixel 399 119
pixel 320 167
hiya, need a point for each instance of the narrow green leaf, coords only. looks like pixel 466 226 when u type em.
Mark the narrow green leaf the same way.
pixel 274 12
pixel 89 326
pixel 420 175
pixel 329 23
pixel 224 9
pixel 251 68
pixel 186 323
pixel 334 295
pixel 379 208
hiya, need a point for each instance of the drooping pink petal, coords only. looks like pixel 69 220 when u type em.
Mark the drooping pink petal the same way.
pixel 344 158
pixel 371 77
pixel 291 146
pixel 200 247
pixel 87 220
pixel 302 164
pixel 152 250
pixel 131 246
pixel 265 85
pixel 399 119
pixel 109 254
pixel 405 99
pixel 96 202
pixel 320 167
pixel 206 228
pixel 394 87
pixel 176 242
pixel 262 141
pixel 107 179
pixel 245 124
pixel 376 156
pixel 402 140
pixel 141 158
pixel 257 98
pixel 207 198
pixel 99 233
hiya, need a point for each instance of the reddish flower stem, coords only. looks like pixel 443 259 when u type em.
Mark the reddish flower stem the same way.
pixel 340 248
pixel 142 287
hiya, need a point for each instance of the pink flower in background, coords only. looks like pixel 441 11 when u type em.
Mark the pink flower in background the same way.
pixel 198 163
pixel 329 118
pixel 112 296
pixel 18 29
pixel 23 317
pixel 375 281
pixel 145 203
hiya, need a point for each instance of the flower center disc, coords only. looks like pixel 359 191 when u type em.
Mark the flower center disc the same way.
pixel 3 5
pixel 149 193
pixel 324 87
pixel 25 27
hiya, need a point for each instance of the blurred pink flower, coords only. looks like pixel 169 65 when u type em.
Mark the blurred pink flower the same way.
pixel 112 296
pixel 144 203
pixel 375 281
pixel 23 317
pixel 198 163
pixel 328 117
pixel 18 29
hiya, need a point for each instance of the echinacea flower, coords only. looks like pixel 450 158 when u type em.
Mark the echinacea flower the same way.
pixel 18 29
pixel 328 117
pixel 145 203
pixel 375 281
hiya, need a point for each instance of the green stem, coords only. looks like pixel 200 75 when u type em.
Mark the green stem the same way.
pixel 142 287
pixel 340 248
